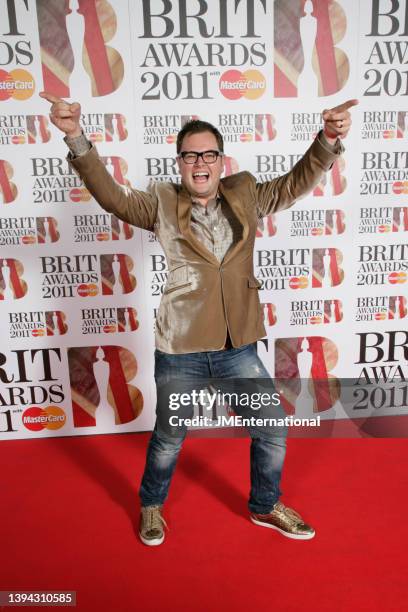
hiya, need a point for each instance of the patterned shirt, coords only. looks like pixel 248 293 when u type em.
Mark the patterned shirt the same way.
pixel 216 226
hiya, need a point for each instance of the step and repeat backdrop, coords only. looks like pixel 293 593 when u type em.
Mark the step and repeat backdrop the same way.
pixel 79 289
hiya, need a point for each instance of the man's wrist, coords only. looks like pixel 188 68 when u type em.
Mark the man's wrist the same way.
pixel 331 137
pixel 78 145
pixel 77 132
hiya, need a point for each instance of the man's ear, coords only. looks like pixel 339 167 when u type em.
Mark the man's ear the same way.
pixel 178 163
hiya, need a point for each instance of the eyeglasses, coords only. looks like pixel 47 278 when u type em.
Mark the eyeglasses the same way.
pixel 208 157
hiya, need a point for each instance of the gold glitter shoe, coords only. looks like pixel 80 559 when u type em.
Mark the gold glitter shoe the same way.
pixel 285 520
pixel 151 530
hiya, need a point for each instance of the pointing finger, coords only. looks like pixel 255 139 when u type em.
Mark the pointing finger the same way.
pixel 50 97
pixel 345 106
pixel 337 117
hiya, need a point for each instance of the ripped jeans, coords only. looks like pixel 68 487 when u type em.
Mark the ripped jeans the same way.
pixel 268 447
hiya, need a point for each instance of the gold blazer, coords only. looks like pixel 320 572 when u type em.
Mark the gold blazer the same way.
pixel 204 297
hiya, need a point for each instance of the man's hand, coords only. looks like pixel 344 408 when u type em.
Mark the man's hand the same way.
pixel 337 121
pixel 63 115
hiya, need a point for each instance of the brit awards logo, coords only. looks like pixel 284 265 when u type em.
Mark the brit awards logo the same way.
pixel 313 222
pixel 215 37
pixel 315 312
pixel 29 378
pixel 305 126
pixel 384 173
pixel 101 392
pixel 24 129
pixel 383 219
pixel 380 308
pixel 384 124
pixel 86 275
pixel 100 228
pixel 28 230
pixel 247 127
pixel 108 127
pixel 74 49
pixel 312 64
pixel 382 264
pixel 109 320
pixel 12 283
pixel 299 268
pixel 37 324
pixel 386 73
pixel 303 373
pixel 8 189
pixel 56 182
pixel 383 356
pixel 163 129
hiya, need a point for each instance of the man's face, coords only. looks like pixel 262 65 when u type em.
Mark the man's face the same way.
pixel 201 179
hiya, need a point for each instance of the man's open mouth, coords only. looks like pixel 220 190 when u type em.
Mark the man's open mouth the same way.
pixel 200 177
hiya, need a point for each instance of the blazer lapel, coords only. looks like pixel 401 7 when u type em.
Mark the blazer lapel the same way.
pixel 236 206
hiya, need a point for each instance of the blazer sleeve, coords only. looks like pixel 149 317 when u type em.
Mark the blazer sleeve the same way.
pixel 138 208
pixel 282 192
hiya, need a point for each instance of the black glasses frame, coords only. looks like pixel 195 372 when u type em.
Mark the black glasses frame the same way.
pixel 183 155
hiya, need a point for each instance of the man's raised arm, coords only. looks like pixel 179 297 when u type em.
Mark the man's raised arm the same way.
pixel 135 207
pixel 282 192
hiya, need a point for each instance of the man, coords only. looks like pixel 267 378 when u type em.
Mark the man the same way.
pixel 210 316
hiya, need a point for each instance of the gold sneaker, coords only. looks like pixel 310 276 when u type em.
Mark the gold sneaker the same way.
pixel 285 520
pixel 151 530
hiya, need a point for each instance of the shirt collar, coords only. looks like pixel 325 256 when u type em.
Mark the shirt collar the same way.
pixel 211 204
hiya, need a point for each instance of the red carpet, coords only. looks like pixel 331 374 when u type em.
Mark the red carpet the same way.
pixel 69 509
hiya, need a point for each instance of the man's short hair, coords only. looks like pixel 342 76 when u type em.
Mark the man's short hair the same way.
pixel 196 126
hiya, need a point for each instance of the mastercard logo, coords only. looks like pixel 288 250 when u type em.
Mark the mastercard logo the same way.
pixel 109 329
pixel 397 278
pixel 171 138
pixel 380 316
pixel 400 187
pixel 96 137
pixel 384 228
pixel 79 195
pixel 235 84
pixel 37 332
pixel 28 239
pixel 36 418
pixel 87 290
pixel 389 134
pixel 246 137
pixel 18 139
pixel 298 282
pixel 17 84
pixel 316 231
pixel 315 320
pixel 102 236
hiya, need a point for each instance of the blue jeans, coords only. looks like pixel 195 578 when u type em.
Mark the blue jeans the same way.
pixel 267 447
